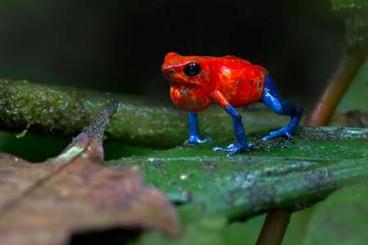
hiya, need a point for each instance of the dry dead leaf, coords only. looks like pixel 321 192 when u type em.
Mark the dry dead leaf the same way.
pixel 46 203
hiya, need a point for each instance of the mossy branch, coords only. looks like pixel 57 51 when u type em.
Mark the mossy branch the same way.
pixel 65 111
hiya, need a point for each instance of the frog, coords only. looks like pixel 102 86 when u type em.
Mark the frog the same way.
pixel 197 82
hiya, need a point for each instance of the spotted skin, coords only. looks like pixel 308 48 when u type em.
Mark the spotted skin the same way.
pixel 196 82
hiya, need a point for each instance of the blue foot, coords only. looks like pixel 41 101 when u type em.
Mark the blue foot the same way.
pixel 196 140
pixel 286 131
pixel 235 148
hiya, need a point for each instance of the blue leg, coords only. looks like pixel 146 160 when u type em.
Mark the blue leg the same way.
pixel 272 99
pixel 241 143
pixel 194 135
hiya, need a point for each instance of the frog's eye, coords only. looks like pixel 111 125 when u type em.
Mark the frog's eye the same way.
pixel 192 69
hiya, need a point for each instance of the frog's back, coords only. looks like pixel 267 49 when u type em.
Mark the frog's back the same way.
pixel 237 59
pixel 239 80
pixel 245 63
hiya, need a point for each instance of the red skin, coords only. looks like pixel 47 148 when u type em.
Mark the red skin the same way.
pixel 227 80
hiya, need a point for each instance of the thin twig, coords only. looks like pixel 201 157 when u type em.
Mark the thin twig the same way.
pixel 274 228
pixel 339 84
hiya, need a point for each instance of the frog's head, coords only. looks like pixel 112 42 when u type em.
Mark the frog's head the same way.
pixel 190 71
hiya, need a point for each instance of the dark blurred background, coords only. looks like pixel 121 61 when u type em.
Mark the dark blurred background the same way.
pixel 118 45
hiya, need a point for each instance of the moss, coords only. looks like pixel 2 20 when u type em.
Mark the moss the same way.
pixel 46 108
pixel 57 110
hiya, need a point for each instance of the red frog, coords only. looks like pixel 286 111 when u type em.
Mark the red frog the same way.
pixel 231 82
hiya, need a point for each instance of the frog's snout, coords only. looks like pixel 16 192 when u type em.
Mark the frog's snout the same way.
pixel 167 67
pixel 171 67
pixel 167 70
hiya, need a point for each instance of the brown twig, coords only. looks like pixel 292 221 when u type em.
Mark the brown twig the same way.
pixel 274 228
pixel 276 222
pixel 340 82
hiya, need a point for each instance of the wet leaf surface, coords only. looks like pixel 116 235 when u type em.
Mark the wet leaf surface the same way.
pixel 279 174
pixel 45 203
pixel 218 193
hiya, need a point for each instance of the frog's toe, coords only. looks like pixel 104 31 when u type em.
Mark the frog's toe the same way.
pixel 250 146
pixel 196 140
pixel 289 135
pixel 269 137
pixel 233 151
pixel 235 148
pixel 228 148
pixel 282 132
pixel 223 149
pixel 219 149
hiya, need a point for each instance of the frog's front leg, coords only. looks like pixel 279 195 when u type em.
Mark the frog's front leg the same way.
pixel 241 143
pixel 194 135
pixel 272 99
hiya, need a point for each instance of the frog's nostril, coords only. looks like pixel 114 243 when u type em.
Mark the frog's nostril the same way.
pixel 167 70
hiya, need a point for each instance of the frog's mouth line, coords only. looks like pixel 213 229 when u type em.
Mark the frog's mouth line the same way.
pixel 184 84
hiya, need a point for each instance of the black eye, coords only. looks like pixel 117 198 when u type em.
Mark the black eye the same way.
pixel 192 69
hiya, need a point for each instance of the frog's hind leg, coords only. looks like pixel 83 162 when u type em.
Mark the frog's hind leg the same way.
pixel 272 99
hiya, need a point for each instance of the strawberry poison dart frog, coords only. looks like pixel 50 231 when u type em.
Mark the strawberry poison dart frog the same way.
pixel 231 82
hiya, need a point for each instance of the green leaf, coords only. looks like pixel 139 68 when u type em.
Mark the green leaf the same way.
pixel 279 174
pixel 283 174
pixel 341 219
